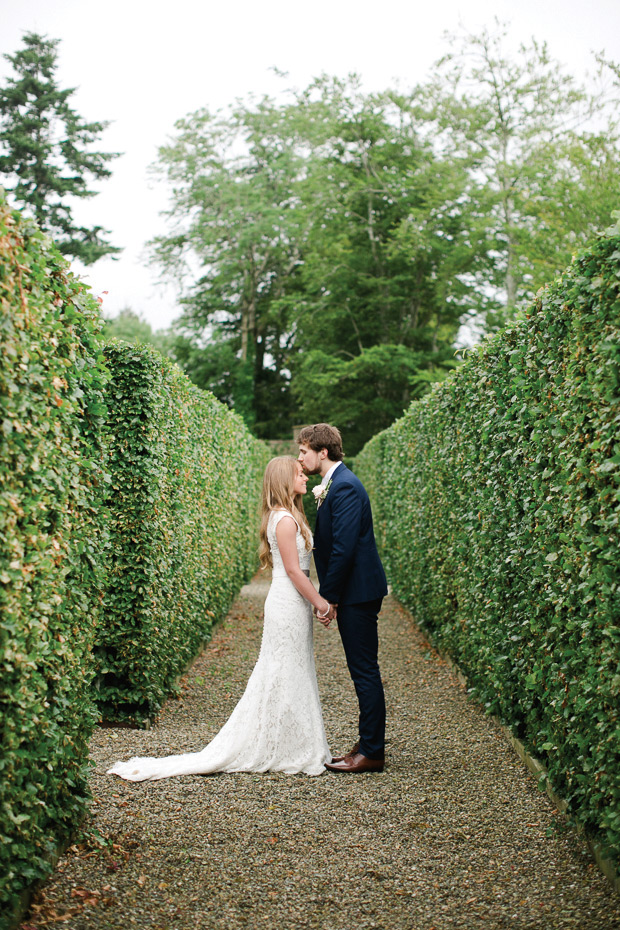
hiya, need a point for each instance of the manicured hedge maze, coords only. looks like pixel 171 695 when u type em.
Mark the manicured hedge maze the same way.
pixel 51 537
pixel 497 501
pixel 129 507
pixel 184 515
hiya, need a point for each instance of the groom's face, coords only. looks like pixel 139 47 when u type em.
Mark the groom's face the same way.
pixel 310 460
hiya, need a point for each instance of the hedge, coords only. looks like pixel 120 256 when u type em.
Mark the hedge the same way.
pixel 51 539
pixel 497 499
pixel 184 514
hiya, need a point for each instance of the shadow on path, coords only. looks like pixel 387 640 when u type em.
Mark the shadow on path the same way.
pixel 453 834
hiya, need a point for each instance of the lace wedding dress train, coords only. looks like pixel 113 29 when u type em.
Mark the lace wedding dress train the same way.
pixel 277 726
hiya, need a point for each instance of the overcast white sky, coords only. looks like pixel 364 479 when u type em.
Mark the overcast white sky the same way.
pixel 144 65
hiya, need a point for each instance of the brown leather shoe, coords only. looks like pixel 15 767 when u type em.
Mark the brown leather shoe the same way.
pixel 355 749
pixel 356 763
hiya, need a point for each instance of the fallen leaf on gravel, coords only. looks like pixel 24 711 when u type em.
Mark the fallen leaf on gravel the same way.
pixel 88 897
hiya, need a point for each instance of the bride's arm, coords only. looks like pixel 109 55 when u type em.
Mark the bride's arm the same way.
pixel 286 531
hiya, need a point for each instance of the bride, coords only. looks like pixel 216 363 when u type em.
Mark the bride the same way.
pixel 277 726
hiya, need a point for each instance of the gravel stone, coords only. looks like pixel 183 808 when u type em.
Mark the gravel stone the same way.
pixel 453 834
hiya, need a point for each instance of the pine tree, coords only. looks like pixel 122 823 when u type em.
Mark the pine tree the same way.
pixel 45 154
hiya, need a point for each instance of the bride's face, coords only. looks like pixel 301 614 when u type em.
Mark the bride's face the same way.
pixel 301 480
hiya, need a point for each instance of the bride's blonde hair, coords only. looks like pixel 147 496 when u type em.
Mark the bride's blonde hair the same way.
pixel 278 494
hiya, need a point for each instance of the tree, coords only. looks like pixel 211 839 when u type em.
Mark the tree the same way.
pixel 365 394
pixel 45 149
pixel 131 327
pixel 382 295
pixel 236 216
pixel 525 131
pixel 321 225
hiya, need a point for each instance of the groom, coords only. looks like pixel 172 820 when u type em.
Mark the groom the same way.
pixel 352 579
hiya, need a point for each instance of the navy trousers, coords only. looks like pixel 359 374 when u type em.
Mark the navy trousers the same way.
pixel 357 624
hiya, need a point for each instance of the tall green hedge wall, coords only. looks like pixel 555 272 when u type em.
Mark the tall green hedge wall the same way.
pixel 497 500
pixel 129 510
pixel 51 536
pixel 184 515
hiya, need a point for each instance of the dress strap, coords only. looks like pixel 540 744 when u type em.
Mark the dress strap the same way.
pixel 278 514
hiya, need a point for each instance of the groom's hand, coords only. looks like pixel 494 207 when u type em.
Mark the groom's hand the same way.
pixel 331 615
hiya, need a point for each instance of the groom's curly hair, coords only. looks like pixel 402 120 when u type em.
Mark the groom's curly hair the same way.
pixel 322 436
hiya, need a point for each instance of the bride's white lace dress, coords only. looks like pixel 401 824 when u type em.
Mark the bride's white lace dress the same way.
pixel 277 726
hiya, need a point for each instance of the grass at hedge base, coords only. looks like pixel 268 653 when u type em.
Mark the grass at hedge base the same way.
pixel 497 500
pixel 184 516
pixel 51 384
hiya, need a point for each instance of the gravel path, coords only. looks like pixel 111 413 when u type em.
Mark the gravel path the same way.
pixel 453 834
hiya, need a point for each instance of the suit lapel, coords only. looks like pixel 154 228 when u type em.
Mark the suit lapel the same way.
pixel 334 478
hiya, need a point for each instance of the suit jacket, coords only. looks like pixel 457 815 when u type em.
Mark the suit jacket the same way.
pixel 345 551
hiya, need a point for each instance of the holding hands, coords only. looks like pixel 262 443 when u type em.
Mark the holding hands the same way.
pixel 326 614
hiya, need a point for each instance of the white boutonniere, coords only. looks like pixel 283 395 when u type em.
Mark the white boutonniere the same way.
pixel 320 492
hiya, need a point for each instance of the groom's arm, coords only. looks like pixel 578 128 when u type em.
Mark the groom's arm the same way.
pixel 346 519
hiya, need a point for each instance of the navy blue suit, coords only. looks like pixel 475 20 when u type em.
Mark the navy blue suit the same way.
pixel 351 575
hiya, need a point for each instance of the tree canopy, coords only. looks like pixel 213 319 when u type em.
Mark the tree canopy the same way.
pixel 46 155
pixel 541 153
pixel 330 243
pixel 131 327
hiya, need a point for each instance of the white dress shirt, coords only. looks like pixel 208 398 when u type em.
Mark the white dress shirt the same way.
pixel 330 473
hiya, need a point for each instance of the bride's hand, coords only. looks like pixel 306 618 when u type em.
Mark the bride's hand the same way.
pixel 326 615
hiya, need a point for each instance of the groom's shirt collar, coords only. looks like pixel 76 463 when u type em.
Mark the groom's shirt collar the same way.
pixel 330 473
